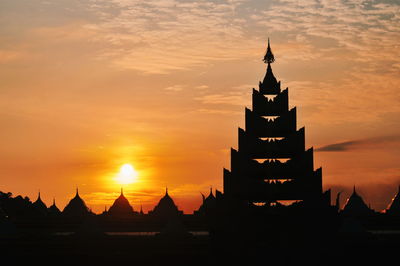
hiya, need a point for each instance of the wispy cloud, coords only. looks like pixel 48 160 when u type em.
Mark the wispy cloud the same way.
pixel 360 144
pixel 174 88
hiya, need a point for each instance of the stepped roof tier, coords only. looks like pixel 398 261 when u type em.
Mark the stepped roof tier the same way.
pixel 355 205
pixel 121 206
pixel 271 163
pixel 76 207
pixel 394 207
pixel 39 206
pixel 166 207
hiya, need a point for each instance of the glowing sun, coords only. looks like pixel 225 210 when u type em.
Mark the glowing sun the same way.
pixel 127 174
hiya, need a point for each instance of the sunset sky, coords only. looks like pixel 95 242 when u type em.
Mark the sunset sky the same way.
pixel 89 85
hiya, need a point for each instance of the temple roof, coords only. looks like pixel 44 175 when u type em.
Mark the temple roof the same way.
pixel 53 208
pixel 121 206
pixel 355 205
pixel 394 206
pixel 40 205
pixel 76 206
pixel 211 195
pixel 209 202
pixel 166 206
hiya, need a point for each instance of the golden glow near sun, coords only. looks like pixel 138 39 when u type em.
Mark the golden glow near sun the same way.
pixel 127 174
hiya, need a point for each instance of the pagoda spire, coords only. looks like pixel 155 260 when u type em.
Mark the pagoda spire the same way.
pixel 269 85
pixel 39 195
pixel 77 192
pixel 122 191
pixel 269 56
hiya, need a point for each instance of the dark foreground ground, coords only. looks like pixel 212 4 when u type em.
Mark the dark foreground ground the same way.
pixel 365 249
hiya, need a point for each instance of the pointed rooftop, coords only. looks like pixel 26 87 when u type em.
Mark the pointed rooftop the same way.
pixel 269 56
pixel 356 206
pixel 208 204
pixel 39 205
pixel 394 206
pixel 53 209
pixel 269 85
pixel 166 206
pixel 76 207
pixel 121 206
pixel 211 195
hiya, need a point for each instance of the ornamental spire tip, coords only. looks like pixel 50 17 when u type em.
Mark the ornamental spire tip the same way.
pixel 269 56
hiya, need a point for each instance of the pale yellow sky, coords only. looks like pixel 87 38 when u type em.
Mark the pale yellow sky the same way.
pixel 89 85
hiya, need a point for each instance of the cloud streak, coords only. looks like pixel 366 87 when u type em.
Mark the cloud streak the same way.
pixel 360 144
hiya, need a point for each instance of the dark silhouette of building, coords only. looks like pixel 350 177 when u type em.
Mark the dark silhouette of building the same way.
pixel 53 209
pixel 355 206
pixel 208 205
pixel 76 208
pixel 394 206
pixel 121 207
pixel 39 206
pixel 166 207
pixel 271 164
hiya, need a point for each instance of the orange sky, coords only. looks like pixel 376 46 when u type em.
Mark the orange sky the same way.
pixel 87 86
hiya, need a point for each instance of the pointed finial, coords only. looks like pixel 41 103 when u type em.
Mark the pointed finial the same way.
pixel 269 56
pixel 54 201
pixel 166 190
pixel 39 195
pixel 122 191
pixel 77 192
pixel 354 189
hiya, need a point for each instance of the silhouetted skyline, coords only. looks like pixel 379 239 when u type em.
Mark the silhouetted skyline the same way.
pixel 162 85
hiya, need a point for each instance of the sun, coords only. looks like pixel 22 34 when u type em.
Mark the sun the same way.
pixel 127 174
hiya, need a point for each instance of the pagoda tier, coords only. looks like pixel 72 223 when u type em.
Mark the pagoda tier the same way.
pixel 287 147
pixel 269 84
pixel 271 127
pixel 296 167
pixel 271 162
pixel 265 106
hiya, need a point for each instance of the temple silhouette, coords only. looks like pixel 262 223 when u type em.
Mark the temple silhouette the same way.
pixel 272 197
pixel 271 165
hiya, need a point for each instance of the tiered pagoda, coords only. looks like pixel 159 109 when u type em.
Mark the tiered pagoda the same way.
pixel 271 165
